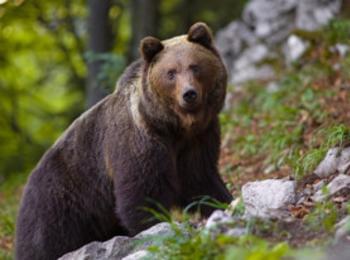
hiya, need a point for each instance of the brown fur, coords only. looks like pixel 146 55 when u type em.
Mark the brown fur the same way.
pixel 136 147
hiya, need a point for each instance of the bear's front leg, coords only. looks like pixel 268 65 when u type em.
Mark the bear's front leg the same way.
pixel 198 165
pixel 145 179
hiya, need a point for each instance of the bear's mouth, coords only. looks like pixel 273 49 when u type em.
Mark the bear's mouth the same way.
pixel 189 108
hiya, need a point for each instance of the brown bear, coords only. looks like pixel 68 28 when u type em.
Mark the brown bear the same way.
pixel 154 141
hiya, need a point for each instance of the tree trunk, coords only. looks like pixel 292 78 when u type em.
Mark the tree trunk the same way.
pixel 100 41
pixel 187 12
pixel 345 11
pixel 144 18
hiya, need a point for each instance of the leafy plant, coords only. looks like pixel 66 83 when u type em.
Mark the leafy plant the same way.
pixel 332 136
pixel 338 31
pixel 323 215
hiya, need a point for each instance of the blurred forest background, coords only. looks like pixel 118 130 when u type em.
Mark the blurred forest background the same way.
pixel 59 57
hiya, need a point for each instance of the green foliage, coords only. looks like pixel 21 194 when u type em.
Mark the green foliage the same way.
pixel 194 244
pixel 9 201
pixel 40 73
pixel 338 31
pixel 204 201
pixel 332 136
pixel 178 15
pixel 275 123
pixel 159 213
pixel 324 215
pixel 238 210
pixel 274 119
pixel 309 161
pixel 257 250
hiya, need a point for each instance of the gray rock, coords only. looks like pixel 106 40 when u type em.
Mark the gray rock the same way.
pixel 232 40
pixel 236 232
pixel 244 68
pixel 263 10
pixel 229 100
pixel 270 17
pixel 300 199
pixel 313 14
pixel 252 55
pixel 329 164
pixel 221 222
pixel 342 228
pixel 269 198
pixel 161 229
pixel 115 248
pixel 338 251
pixel 252 72
pixel 318 186
pixel 336 160
pixel 339 183
pixel 272 87
pixel 137 255
pixel 341 49
pixel 270 22
pixel 218 217
pixel 121 247
pixel 294 48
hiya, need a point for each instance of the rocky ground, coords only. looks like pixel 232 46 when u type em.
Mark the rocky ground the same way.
pixel 266 31
pixel 280 204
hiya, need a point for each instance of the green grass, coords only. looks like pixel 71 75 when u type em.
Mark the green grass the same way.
pixel 336 135
pixel 192 244
pixel 324 216
pixel 275 124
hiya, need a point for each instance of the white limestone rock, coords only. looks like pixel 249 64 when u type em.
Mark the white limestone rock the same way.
pixel 268 198
pixel 313 14
pixel 337 160
pixel 121 247
pixel 339 183
pixel 294 48
pixel 218 217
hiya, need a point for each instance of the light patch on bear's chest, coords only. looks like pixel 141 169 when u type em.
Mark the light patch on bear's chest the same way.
pixel 134 101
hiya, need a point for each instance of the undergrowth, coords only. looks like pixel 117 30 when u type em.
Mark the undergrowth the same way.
pixel 193 243
pixel 9 202
pixel 293 124
pixel 201 245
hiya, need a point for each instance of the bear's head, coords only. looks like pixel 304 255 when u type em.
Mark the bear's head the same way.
pixel 184 79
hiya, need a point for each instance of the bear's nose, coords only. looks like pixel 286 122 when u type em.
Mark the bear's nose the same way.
pixel 190 96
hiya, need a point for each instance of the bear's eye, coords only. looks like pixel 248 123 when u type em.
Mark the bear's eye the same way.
pixel 195 68
pixel 171 74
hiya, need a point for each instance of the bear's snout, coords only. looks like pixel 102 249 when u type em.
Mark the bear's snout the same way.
pixel 189 99
pixel 190 96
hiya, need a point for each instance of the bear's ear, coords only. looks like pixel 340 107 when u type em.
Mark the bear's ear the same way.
pixel 149 47
pixel 200 33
